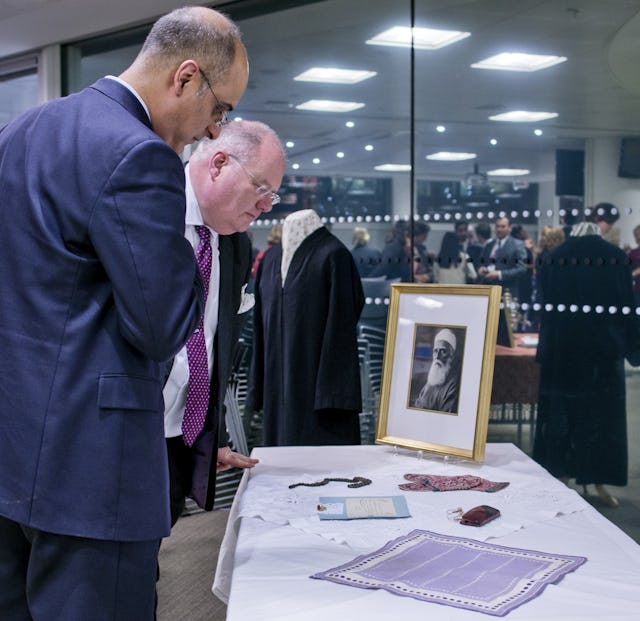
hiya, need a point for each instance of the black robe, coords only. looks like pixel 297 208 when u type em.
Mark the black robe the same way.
pixel 305 373
pixel 581 430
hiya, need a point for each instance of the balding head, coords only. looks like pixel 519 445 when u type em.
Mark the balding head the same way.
pixel 190 72
pixel 196 32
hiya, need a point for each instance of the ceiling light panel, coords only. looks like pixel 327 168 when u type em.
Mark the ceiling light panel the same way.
pixel 523 116
pixel 423 38
pixel 334 76
pixel 508 172
pixel 516 61
pixel 393 167
pixel 327 105
pixel 451 156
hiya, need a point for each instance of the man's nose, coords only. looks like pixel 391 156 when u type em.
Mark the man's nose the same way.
pixel 264 204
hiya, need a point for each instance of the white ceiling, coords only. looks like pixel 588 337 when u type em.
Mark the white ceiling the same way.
pixel 596 92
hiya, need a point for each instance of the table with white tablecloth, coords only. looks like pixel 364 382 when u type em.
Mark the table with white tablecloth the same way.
pixel 275 540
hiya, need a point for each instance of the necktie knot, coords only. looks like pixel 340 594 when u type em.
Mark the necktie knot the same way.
pixel 204 233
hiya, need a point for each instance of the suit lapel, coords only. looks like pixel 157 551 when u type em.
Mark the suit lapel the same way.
pixel 226 308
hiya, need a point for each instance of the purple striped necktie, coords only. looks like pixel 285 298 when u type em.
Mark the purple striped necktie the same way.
pixel 195 410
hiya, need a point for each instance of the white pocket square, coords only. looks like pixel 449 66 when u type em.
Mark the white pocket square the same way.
pixel 247 301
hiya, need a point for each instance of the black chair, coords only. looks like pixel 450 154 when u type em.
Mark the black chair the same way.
pixel 376 307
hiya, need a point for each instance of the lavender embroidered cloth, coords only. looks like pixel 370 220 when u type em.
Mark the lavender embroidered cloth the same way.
pixel 456 571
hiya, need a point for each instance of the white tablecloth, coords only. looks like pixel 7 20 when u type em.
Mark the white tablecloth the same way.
pixel 274 540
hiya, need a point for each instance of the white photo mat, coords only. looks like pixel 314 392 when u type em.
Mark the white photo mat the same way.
pixel 469 310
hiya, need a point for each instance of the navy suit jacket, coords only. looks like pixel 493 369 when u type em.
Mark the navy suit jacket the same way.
pixel 99 288
pixel 510 260
pixel 235 269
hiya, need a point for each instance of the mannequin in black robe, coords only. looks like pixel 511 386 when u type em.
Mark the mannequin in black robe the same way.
pixel 581 430
pixel 305 374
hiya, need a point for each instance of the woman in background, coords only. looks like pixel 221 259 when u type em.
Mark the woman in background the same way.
pixel 366 258
pixel 453 266
pixel 274 237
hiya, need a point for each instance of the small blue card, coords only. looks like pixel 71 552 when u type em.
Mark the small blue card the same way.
pixel 362 507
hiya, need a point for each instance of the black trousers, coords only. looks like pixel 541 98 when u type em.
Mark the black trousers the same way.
pixel 50 577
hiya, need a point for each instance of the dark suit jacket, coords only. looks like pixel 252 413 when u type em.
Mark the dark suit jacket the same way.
pixel 509 260
pixel 235 269
pixel 99 288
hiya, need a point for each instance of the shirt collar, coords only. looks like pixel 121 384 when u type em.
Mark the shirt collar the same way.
pixel 193 216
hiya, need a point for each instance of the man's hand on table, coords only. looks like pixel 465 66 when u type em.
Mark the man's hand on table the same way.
pixel 230 459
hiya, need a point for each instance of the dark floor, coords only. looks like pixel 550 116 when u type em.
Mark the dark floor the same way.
pixel 188 558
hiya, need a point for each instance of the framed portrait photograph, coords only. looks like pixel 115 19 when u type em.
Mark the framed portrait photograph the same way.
pixel 438 368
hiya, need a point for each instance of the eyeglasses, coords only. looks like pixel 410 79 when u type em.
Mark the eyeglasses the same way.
pixel 220 107
pixel 262 190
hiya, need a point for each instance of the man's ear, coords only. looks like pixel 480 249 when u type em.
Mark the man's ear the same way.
pixel 216 163
pixel 186 72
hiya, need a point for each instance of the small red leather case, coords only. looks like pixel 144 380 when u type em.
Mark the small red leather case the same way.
pixel 479 516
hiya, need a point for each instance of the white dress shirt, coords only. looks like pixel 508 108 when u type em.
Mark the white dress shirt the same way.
pixel 175 390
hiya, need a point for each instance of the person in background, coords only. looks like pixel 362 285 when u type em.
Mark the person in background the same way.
pixel 452 265
pixel 274 237
pixel 634 257
pixel 476 247
pixel 550 239
pixel 461 229
pixel 525 282
pixel 605 215
pixel 567 219
pixel 229 183
pixel 366 258
pixel 581 428
pixel 503 259
pixel 422 258
pixel 99 289
pixel 395 259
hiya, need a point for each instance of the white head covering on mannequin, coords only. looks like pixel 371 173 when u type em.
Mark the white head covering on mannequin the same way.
pixel 585 228
pixel 296 228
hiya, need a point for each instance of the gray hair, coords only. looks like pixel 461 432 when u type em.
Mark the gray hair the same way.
pixel 585 228
pixel 185 33
pixel 243 139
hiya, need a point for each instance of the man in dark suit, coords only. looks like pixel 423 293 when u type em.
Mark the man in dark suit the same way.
pixel 229 183
pixel 99 289
pixel 475 250
pixel 503 259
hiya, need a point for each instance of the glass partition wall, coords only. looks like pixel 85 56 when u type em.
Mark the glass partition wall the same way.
pixel 524 109
pixel 18 86
pixel 446 106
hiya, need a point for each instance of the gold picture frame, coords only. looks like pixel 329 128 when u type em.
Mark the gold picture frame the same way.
pixel 438 368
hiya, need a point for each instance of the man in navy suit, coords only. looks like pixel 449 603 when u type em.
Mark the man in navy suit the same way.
pixel 503 259
pixel 99 289
pixel 230 182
